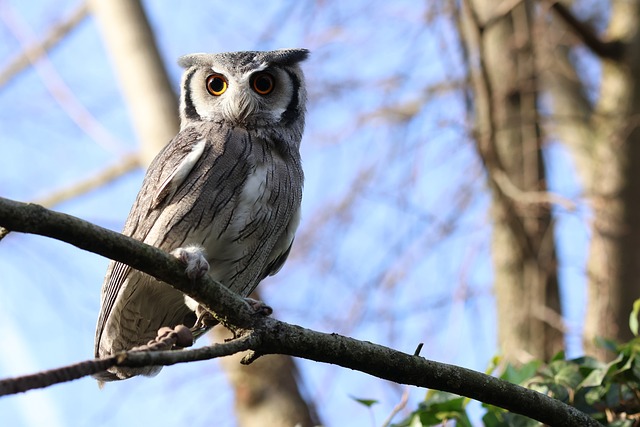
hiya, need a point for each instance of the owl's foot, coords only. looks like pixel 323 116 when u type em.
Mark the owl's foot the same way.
pixel 204 320
pixel 193 257
pixel 168 338
pixel 259 307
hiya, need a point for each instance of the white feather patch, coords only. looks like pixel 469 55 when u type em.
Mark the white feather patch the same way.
pixel 173 182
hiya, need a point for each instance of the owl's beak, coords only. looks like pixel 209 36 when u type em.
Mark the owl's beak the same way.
pixel 240 108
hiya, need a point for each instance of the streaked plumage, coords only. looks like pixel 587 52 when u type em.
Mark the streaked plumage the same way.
pixel 230 182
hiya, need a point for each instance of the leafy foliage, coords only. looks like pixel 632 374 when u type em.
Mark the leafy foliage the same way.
pixel 608 392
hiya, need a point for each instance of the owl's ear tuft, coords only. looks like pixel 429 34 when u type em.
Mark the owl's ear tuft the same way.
pixel 287 56
pixel 192 59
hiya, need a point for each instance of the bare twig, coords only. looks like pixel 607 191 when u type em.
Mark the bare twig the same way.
pixel 604 49
pixel 271 336
pixel 133 358
pixel 508 188
pixel 121 167
pixel 56 86
pixel 399 407
pixel 502 10
pixel 53 37
pixel 112 172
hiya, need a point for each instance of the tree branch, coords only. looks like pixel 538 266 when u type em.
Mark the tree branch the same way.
pixel 122 166
pixel 270 336
pixel 133 358
pixel 53 37
pixel 604 49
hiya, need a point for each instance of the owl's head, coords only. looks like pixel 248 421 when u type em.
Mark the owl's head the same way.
pixel 245 89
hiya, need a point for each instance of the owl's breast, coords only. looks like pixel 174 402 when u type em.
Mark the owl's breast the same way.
pixel 238 244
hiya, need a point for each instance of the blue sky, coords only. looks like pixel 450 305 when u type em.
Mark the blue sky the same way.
pixel 407 262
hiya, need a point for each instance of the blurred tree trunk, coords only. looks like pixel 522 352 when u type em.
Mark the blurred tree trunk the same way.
pixel 152 103
pixel 268 388
pixel 605 141
pixel 266 391
pixel 505 98
pixel 614 259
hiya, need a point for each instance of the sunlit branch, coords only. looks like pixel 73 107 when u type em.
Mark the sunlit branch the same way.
pixel 134 358
pixel 274 337
pixel 121 167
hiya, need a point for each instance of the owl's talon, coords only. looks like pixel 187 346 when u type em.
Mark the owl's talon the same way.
pixel 259 307
pixel 204 320
pixel 193 257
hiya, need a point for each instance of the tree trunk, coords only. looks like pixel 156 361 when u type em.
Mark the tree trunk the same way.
pixel 505 88
pixel 266 391
pixel 152 103
pixel 614 259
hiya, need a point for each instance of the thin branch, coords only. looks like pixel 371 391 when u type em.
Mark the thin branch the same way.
pixel 399 407
pixel 133 358
pixel 56 85
pixel 613 50
pixel 508 188
pixel 502 10
pixel 275 337
pixel 53 37
pixel 121 167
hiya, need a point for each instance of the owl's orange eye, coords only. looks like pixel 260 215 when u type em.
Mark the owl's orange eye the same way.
pixel 216 84
pixel 263 83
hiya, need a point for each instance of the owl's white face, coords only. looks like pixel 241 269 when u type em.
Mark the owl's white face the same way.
pixel 248 94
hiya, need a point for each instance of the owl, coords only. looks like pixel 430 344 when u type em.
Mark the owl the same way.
pixel 223 196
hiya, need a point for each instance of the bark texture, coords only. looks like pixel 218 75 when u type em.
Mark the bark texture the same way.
pixel 614 259
pixel 148 93
pixel 509 140
pixel 604 140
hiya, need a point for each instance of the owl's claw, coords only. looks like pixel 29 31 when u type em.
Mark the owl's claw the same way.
pixel 204 320
pixel 259 307
pixel 193 257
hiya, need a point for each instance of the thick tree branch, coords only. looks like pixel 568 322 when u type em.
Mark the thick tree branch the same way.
pixel 604 49
pixel 271 336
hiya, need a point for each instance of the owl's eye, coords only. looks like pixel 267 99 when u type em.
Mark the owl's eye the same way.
pixel 263 83
pixel 216 84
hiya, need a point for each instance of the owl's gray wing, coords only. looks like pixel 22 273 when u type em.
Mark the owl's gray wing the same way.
pixel 164 176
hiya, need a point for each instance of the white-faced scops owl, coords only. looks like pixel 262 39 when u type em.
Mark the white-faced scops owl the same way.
pixel 223 196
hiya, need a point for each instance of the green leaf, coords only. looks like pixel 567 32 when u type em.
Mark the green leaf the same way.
pixel 515 420
pixel 521 374
pixel 633 317
pixel 595 395
pixel 607 344
pixel 636 368
pixel 558 356
pixel 493 364
pixel 439 406
pixel 492 419
pixel 366 402
pixel 594 378
pixel 566 373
